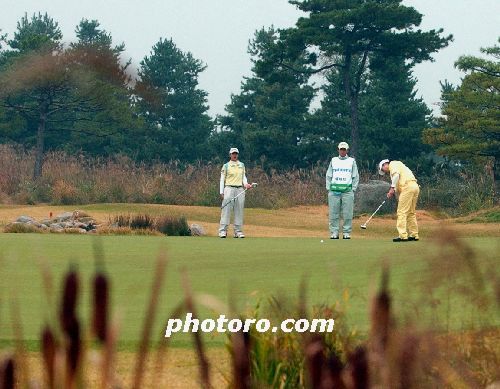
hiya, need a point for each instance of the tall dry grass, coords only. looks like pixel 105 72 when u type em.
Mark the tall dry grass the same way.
pixel 70 179
pixel 76 179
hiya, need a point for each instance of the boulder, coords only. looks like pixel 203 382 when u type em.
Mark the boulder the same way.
pixel 197 230
pixel 370 195
pixel 65 216
pixel 25 219
pixel 47 222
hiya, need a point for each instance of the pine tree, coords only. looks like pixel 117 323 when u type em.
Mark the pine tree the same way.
pixel 172 104
pixel 269 118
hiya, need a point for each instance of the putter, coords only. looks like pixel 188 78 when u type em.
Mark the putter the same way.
pixel 254 184
pixel 363 226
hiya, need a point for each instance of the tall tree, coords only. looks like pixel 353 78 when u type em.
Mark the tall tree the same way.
pixel 34 64
pixel 53 90
pixel 107 94
pixel 172 104
pixel 344 35
pixel 469 129
pixel 269 118
pixel 392 118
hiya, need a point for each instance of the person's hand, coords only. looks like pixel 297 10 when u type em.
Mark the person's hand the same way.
pixel 248 186
pixel 390 193
pixel 222 196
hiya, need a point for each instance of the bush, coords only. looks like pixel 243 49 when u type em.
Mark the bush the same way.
pixel 142 222
pixel 21 228
pixel 134 222
pixel 173 226
pixel 457 195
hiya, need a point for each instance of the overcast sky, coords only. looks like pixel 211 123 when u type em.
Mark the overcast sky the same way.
pixel 217 32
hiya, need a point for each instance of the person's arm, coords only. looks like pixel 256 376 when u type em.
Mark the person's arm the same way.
pixel 222 181
pixel 394 185
pixel 355 176
pixel 329 175
pixel 246 185
pixel 395 180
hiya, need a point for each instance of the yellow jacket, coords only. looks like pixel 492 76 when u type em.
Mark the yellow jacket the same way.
pixel 405 174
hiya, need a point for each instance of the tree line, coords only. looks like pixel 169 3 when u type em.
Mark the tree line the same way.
pixel 343 72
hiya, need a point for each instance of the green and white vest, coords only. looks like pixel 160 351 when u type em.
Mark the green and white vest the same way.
pixel 342 174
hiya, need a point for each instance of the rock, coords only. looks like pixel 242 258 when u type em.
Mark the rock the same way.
pixel 64 216
pixel 86 219
pixel 25 219
pixel 370 195
pixel 47 222
pixel 197 230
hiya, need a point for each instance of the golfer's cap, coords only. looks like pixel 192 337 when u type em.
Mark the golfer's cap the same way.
pixel 381 163
pixel 343 145
pixel 233 150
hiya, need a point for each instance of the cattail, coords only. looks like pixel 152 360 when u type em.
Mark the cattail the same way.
pixel 49 349
pixel 67 315
pixel 100 313
pixel 381 314
pixel 73 351
pixel 332 374
pixel 241 360
pixel 407 358
pixel 315 359
pixel 7 374
pixel 358 367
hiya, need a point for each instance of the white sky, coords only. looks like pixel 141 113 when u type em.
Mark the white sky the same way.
pixel 218 31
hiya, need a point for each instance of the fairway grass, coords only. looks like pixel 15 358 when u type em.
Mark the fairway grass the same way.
pixel 303 221
pixel 251 269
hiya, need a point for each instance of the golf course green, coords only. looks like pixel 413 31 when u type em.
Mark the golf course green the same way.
pixel 249 269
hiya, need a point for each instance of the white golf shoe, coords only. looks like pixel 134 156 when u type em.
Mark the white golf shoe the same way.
pixel 239 234
pixel 222 234
pixel 334 236
pixel 346 236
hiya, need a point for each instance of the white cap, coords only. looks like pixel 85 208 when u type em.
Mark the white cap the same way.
pixel 343 145
pixel 381 163
pixel 233 150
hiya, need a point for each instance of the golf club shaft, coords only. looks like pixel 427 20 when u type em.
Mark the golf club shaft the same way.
pixel 238 195
pixel 373 214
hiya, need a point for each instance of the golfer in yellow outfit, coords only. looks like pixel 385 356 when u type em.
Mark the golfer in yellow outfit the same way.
pixel 404 182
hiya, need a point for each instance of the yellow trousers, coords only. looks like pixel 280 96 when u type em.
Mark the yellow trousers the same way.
pixel 407 220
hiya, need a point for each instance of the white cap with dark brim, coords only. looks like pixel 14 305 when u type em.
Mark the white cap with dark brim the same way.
pixel 381 163
pixel 343 145
pixel 233 150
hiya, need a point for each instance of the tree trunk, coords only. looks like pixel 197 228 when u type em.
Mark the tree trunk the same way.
pixel 352 97
pixel 40 143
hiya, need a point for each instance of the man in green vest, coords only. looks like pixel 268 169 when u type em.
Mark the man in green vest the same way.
pixel 342 180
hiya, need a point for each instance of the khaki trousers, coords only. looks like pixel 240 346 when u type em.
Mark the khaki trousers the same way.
pixel 407 203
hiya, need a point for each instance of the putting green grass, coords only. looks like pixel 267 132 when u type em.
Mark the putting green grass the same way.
pixel 250 269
